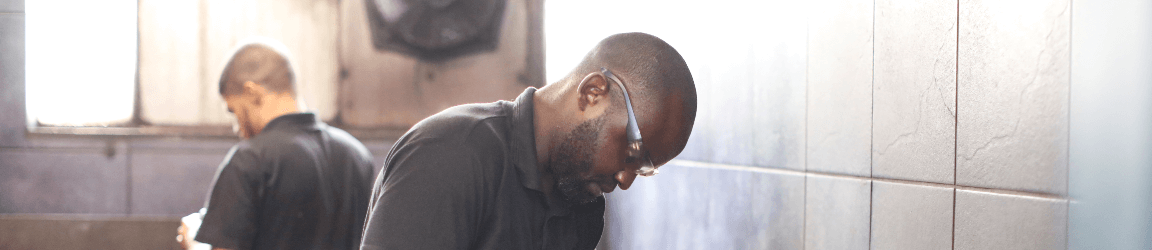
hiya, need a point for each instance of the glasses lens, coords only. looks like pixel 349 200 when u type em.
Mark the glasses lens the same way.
pixel 646 169
pixel 636 154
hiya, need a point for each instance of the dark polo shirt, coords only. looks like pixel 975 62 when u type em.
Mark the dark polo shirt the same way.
pixel 466 178
pixel 299 184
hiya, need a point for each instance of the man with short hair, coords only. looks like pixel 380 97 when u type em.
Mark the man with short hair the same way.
pixel 293 182
pixel 530 174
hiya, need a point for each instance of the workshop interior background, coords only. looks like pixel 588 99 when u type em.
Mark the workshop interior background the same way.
pixel 829 124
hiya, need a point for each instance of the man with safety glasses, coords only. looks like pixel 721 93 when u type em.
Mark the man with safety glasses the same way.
pixel 530 174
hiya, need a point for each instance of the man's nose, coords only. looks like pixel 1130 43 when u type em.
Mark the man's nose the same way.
pixel 625 178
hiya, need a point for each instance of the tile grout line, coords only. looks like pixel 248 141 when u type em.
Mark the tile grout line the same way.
pixel 953 227
pixel 872 130
pixel 872 97
pixel 807 92
pixel 956 124
pixel 871 209
pixel 710 165
pixel 1068 144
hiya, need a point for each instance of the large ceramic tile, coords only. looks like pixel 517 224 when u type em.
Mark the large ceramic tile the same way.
pixel 779 84
pixel 906 216
pixel 173 184
pixel 777 211
pixel 724 109
pixel 840 87
pixel 12 118
pixel 998 221
pixel 11 6
pixel 723 80
pixel 914 124
pixel 730 209
pixel 1012 130
pixel 751 90
pixel 836 213
pixel 64 181
pixel 631 213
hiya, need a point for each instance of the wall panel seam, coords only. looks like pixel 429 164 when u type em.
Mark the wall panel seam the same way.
pixel 721 166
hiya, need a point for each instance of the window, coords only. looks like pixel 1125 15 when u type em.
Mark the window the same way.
pixel 81 62
pixel 152 67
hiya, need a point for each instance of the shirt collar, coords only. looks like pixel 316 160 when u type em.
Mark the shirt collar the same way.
pixel 307 121
pixel 524 139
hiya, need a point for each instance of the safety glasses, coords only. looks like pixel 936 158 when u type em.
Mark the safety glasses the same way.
pixel 636 151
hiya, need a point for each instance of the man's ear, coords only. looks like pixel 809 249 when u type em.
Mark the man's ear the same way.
pixel 254 91
pixel 592 89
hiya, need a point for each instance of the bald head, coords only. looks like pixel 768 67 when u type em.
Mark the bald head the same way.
pixel 260 64
pixel 659 84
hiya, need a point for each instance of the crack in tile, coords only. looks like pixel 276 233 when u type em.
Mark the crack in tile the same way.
pixel 924 97
pixel 1029 87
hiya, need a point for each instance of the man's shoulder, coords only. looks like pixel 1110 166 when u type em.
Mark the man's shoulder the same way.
pixel 456 139
pixel 461 123
pixel 345 140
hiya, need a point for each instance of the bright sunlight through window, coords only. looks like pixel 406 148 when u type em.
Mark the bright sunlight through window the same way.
pixel 81 61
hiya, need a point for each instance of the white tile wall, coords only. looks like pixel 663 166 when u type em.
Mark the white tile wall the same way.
pixel 910 216
pixel 751 91
pixel 779 86
pixel 1012 131
pixel 915 91
pixel 840 87
pixel 836 212
pixel 744 210
pixel 989 221
pixel 896 92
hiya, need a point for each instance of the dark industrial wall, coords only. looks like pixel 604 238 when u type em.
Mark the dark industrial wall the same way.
pixel 94 192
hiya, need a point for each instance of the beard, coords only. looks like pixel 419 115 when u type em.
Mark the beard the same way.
pixel 571 164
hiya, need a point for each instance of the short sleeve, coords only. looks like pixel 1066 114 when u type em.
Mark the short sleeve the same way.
pixel 230 220
pixel 430 199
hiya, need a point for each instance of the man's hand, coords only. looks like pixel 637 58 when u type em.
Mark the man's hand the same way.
pixel 186 233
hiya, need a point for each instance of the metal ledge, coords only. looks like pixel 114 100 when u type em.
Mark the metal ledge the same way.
pixel 193 131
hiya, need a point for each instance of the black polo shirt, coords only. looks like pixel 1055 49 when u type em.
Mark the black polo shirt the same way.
pixel 299 184
pixel 466 178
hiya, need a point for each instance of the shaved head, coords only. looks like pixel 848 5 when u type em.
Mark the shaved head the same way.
pixel 259 63
pixel 659 83
pixel 583 138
